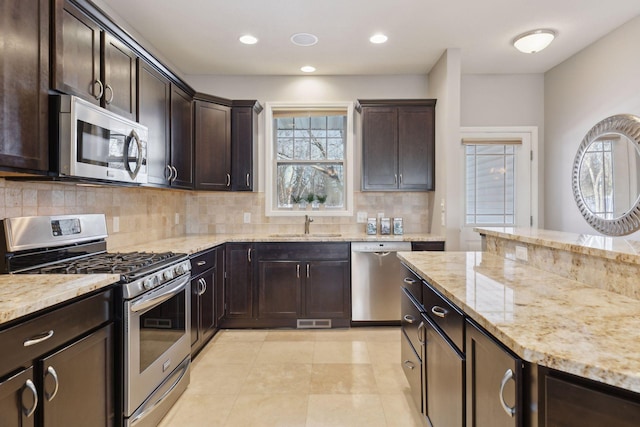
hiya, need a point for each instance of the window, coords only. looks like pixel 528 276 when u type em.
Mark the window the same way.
pixel 490 183
pixel 309 159
pixel 596 179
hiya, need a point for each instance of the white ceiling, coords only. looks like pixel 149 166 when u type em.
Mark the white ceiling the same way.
pixel 201 36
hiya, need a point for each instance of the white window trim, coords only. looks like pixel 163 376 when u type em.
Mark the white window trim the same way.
pixel 270 160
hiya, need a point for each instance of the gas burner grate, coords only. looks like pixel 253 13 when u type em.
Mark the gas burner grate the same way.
pixel 116 263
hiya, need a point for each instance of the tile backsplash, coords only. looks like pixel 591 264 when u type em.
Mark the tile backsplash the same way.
pixel 148 214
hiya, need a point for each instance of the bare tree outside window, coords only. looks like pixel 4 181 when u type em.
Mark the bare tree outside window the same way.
pixel 310 155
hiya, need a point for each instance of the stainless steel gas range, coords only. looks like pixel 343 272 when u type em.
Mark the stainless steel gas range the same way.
pixel 155 301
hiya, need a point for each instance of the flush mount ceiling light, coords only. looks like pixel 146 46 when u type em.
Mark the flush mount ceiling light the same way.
pixel 248 39
pixel 304 39
pixel 534 41
pixel 378 38
pixel 308 69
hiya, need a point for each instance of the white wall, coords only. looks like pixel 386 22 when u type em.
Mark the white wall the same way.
pixel 600 81
pixel 444 84
pixel 507 100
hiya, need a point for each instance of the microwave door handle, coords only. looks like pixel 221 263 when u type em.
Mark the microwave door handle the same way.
pixel 135 137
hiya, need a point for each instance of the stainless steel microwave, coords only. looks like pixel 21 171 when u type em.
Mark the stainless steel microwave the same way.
pixel 97 144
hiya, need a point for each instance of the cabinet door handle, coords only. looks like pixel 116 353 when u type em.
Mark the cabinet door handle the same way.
pixel 203 286
pixel 439 311
pixel 409 364
pixel 110 100
pixel 228 180
pixel 38 338
pixel 32 388
pixel 409 281
pixel 249 255
pixel 508 375
pixel 409 319
pixel 298 271
pixel 400 179
pixel 175 173
pixel 101 91
pixel 54 375
pixel 201 263
pixel 248 176
pixel 421 333
pixel 395 179
pixel 308 273
pixel 168 167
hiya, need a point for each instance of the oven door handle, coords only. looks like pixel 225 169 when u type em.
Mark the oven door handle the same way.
pixel 156 299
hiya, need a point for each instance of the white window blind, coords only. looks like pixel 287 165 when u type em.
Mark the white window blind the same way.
pixel 490 173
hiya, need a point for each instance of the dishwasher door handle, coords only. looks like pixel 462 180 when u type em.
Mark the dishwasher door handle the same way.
pixel 381 254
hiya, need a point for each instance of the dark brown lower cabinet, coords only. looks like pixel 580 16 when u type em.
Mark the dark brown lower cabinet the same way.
pixel 575 403
pixel 444 372
pixel 238 287
pixel 76 383
pixel 493 382
pixel 203 299
pixel 18 400
pixel 279 289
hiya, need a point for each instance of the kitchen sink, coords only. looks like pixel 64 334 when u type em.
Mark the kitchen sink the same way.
pixel 305 235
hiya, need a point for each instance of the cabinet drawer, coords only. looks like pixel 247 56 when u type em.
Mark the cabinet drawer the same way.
pixel 411 321
pixel 203 261
pixel 427 246
pixel 448 317
pixel 412 367
pixel 44 333
pixel 412 283
pixel 287 251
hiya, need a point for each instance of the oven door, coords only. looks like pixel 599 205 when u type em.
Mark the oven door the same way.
pixel 157 339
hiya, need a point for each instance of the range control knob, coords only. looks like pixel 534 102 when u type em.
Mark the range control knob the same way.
pixel 150 282
pixel 180 269
pixel 168 275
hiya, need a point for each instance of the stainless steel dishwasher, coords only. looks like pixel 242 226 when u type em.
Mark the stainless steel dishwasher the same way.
pixel 376 276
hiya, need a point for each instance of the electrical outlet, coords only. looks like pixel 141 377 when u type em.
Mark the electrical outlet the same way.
pixel 177 219
pixel 362 217
pixel 116 224
pixel 247 217
pixel 380 215
pixel 521 253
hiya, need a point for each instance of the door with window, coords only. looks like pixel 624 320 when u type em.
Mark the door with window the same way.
pixel 499 184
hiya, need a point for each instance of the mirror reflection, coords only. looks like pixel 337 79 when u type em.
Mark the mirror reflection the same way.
pixel 609 175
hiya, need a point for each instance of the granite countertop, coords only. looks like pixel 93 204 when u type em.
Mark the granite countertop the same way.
pixel 193 243
pixel 542 317
pixel 22 294
pixel 616 248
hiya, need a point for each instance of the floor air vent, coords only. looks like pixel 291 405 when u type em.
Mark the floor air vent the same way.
pixel 314 323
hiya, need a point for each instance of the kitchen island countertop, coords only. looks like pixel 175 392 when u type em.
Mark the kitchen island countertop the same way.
pixel 542 317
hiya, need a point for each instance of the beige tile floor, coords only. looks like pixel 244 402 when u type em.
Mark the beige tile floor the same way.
pixel 312 378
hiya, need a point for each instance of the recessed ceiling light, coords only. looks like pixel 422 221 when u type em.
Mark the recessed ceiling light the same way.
pixel 534 41
pixel 248 39
pixel 378 38
pixel 304 39
pixel 308 69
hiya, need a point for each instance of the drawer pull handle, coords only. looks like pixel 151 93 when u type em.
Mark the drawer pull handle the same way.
pixel 38 338
pixel 32 388
pixel 439 311
pixel 508 375
pixel 409 364
pixel 409 319
pixel 54 374
pixel 201 263
pixel 409 281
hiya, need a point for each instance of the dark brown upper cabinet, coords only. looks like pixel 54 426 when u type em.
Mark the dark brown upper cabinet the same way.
pixel 24 139
pixel 212 145
pixel 91 63
pixel 244 132
pixel 398 141
pixel 181 139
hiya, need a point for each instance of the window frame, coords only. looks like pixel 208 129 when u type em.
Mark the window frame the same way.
pixel 270 162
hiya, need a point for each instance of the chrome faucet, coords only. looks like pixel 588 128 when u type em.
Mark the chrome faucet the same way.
pixel 307 221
